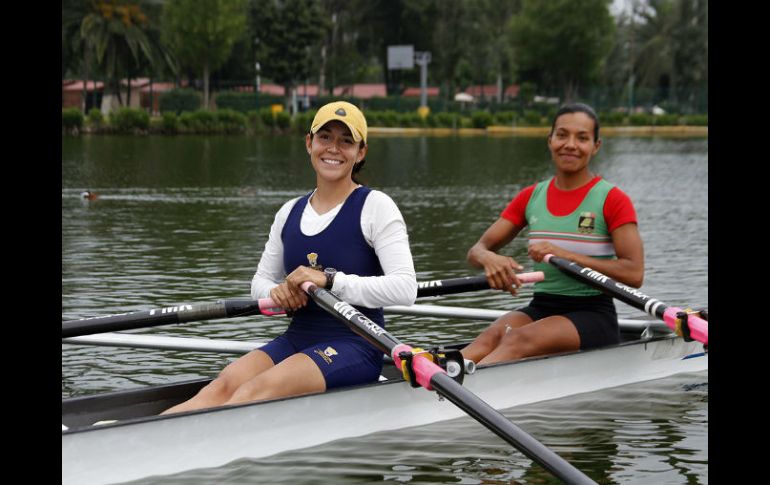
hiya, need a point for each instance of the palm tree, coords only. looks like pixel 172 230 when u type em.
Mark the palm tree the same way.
pixel 118 34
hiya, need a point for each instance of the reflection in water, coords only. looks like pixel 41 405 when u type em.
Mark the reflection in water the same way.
pixel 184 220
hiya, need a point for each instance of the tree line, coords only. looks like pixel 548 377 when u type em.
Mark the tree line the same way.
pixel 558 48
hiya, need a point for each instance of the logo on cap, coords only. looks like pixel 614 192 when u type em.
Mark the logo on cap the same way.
pixel 340 112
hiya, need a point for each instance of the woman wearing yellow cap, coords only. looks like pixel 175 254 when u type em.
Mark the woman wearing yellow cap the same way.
pixel 343 236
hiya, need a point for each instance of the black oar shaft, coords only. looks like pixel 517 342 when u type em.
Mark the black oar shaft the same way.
pixel 453 391
pixel 451 286
pixel 697 328
pixel 159 316
pixel 466 283
pixel 504 428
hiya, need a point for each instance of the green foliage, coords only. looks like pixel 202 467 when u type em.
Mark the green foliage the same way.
pixel 641 119
pixel 200 121
pixel 447 120
pixel 129 119
pixel 117 39
pixel 533 118
pixel 612 118
pixel 95 118
pixel 203 32
pixel 666 120
pixel 696 120
pixel 560 43
pixel 288 33
pixel 230 121
pixel 481 119
pixel 282 120
pixel 301 122
pixel 169 122
pixel 245 102
pixel 71 118
pixel 179 100
pixel 505 118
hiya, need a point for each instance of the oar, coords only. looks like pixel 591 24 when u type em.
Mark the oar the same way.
pixel 432 377
pixel 165 316
pixel 467 283
pixel 231 308
pixel 695 328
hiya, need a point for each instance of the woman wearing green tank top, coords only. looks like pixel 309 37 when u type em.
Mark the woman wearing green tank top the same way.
pixel 575 215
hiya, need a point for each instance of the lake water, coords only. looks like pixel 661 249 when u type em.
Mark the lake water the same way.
pixel 184 220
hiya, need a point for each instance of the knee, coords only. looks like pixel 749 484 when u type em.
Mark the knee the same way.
pixel 258 388
pixel 517 340
pixel 219 389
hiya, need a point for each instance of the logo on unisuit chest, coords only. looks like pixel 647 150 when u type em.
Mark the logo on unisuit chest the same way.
pixel 586 223
pixel 326 354
pixel 312 259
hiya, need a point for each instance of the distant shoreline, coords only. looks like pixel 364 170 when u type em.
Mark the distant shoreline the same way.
pixel 540 131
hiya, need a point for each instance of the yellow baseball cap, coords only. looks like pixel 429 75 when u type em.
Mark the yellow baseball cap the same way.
pixel 344 112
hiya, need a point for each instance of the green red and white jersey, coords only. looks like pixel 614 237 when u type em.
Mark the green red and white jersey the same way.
pixel 579 220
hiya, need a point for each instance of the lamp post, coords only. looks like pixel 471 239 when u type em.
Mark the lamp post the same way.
pixel 257 66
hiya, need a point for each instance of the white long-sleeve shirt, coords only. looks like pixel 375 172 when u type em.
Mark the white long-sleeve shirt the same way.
pixel 383 228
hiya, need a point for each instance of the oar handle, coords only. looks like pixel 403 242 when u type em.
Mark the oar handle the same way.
pixel 467 283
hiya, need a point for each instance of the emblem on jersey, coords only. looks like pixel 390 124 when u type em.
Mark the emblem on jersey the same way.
pixel 312 259
pixel 587 223
pixel 326 354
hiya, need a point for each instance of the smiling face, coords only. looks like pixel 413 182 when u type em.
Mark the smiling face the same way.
pixel 572 142
pixel 333 151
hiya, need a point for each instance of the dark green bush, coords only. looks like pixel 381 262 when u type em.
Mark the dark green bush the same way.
pixel 245 102
pixel 95 117
pixel 283 120
pixel 301 122
pixel 612 118
pixel 179 100
pixel 696 120
pixel 447 120
pixel 481 119
pixel 666 120
pixel 641 119
pixel 71 118
pixel 504 118
pixel 230 121
pixel 129 119
pixel 169 122
pixel 532 118
pixel 200 121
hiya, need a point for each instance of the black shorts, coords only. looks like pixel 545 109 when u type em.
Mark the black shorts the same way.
pixel 594 317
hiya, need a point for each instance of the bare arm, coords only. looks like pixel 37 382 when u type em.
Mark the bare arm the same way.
pixel 500 270
pixel 628 268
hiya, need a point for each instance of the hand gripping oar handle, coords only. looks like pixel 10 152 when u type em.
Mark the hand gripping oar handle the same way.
pixel 432 377
pixel 673 317
pixel 467 283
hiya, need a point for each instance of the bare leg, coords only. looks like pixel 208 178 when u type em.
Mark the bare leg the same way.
pixel 546 336
pixel 298 374
pixel 221 389
pixel 490 338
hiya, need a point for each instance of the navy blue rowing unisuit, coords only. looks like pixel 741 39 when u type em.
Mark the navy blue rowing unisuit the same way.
pixel 343 357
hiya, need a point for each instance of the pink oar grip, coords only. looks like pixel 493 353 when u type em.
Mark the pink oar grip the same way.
pixel 532 277
pixel 268 307
pixel 424 368
pixel 699 328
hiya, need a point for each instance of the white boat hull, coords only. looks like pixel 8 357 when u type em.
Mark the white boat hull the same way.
pixel 161 446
